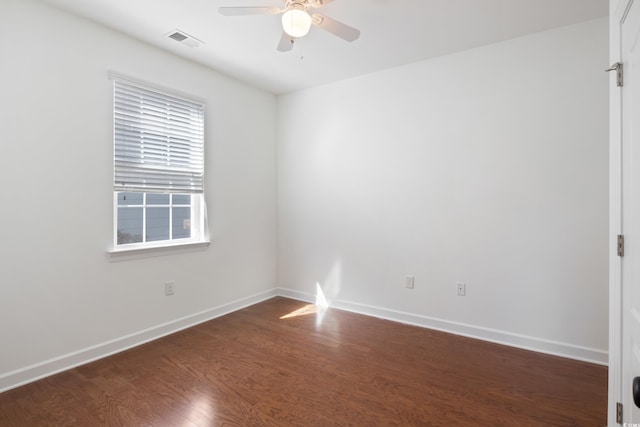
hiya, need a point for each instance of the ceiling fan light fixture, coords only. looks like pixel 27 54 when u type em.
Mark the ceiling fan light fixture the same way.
pixel 296 22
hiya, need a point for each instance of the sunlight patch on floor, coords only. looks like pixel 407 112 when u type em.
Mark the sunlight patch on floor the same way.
pixel 302 311
pixel 318 308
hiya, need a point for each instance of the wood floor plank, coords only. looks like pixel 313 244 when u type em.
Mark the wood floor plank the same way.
pixel 256 368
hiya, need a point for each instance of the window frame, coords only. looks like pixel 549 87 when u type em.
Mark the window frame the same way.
pixel 196 219
pixel 199 226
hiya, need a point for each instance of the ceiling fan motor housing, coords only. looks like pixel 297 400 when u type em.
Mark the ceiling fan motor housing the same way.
pixel 297 5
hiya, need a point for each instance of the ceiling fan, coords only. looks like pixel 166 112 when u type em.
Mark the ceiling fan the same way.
pixel 296 20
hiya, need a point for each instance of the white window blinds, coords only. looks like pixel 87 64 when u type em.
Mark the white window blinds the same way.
pixel 158 141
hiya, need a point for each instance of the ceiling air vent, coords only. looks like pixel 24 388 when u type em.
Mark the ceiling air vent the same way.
pixel 184 38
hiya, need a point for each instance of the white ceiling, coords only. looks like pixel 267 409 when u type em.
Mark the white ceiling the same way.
pixel 393 33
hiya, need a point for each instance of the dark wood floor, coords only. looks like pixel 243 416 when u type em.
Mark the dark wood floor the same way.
pixel 252 368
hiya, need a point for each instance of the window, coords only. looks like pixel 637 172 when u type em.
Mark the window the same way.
pixel 150 217
pixel 158 168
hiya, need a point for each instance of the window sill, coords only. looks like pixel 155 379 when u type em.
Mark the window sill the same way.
pixel 125 254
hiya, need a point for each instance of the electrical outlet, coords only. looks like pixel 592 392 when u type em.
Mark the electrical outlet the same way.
pixel 168 288
pixel 409 282
pixel 461 289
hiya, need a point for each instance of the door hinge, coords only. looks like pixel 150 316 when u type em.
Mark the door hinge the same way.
pixel 617 67
pixel 620 245
pixel 619 413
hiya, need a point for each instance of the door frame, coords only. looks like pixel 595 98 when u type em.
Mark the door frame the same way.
pixel 617 11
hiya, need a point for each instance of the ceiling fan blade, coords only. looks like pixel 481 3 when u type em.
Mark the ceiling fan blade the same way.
pixel 341 30
pixel 251 10
pixel 286 42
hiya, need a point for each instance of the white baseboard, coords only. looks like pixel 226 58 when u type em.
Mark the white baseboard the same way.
pixel 540 345
pixel 44 369
pixel 53 366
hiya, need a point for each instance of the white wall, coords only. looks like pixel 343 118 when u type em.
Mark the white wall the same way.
pixel 487 166
pixel 59 293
